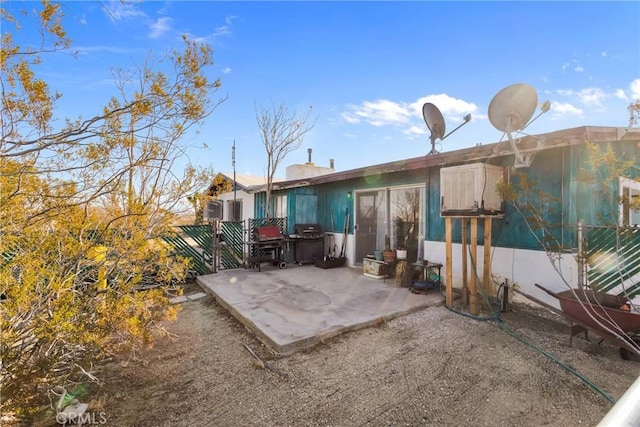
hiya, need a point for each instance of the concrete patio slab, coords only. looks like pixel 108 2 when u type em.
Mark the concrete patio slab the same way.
pixel 301 306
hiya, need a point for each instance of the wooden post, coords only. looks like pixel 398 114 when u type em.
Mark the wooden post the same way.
pixel 473 283
pixel 487 283
pixel 448 264
pixel 465 282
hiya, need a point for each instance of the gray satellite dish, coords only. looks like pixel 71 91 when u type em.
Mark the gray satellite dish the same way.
pixel 513 107
pixel 434 120
pixel 511 111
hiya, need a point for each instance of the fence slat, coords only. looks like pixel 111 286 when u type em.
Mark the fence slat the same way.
pixel 613 259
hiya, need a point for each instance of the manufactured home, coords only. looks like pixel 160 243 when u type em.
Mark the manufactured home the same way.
pixel 534 234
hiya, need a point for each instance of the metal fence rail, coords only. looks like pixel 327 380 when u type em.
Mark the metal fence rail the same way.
pixel 232 244
pixel 195 242
pixel 199 260
pixel 613 259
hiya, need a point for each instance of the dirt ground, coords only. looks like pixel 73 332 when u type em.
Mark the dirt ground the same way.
pixel 433 367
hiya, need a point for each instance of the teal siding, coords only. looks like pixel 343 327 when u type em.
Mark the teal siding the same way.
pixel 303 206
pixel 556 171
pixel 259 202
pixel 337 198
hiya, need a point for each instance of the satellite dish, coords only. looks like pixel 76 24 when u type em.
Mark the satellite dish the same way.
pixel 511 111
pixel 512 108
pixel 434 120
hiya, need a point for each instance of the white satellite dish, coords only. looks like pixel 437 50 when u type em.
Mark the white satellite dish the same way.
pixel 434 120
pixel 436 124
pixel 513 107
pixel 511 111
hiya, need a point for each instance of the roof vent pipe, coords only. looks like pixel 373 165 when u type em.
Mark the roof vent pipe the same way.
pixel 309 151
pixel 331 163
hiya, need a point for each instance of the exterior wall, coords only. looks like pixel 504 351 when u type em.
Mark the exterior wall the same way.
pixel 306 170
pixel 247 204
pixel 303 207
pixel 259 203
pixel 517 254
pixel 557 173
pixel 520 266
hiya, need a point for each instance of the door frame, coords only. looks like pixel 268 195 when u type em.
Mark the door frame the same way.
pixel 358 238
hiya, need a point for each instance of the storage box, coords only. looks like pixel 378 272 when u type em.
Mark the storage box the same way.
pixel 374 268
pixel 330 262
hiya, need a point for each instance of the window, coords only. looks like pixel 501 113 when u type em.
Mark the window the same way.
pixel 280 206
pixel 630 202
pixel 234 210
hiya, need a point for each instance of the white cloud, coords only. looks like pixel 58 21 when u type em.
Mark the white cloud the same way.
pixel 634 87
pixel 592 96
pixel 620 94
pixel 160 27
pixel 349 117
pixel 226 70
pixel 561 109
pixel 565 92
pixel 84 50
pixel 378 113
pixel 386 112
pixel 578 69
pixel 415 130
pixel 221 30
pixel 451 108
pixel 117 10
pixel 218 31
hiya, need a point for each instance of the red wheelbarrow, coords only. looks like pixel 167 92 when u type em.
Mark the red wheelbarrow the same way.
pixel 607 315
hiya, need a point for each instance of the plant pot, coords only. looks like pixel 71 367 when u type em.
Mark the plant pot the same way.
pixel 389 256
pixel 377 255
pixel 401 253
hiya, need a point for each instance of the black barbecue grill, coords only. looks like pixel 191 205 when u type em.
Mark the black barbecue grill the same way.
pixel 308 241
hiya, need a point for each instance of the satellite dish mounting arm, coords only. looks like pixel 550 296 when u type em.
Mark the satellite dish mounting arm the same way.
pixel 521 160
pixel 433 137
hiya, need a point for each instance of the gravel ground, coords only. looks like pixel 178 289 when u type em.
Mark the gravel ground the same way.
pixel 433 367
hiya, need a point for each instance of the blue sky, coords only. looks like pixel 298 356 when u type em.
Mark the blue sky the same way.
pixel 366 68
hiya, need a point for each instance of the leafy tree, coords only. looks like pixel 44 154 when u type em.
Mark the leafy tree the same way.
pixel 601 172
pixel 540 210
pixel 219 185
pixel 281 132
pixel 87 201
pixel 605 168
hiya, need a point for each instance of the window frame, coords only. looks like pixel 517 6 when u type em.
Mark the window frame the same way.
pixel 628 189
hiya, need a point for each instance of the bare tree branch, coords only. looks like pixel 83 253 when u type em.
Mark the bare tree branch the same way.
pixel 281 132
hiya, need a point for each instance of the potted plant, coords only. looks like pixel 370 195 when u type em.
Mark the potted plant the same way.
pixel 388 255
pixel 401 252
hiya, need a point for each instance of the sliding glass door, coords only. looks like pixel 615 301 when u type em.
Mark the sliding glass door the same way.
pixel 395 213
pixel 370 222
pixel 407 224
